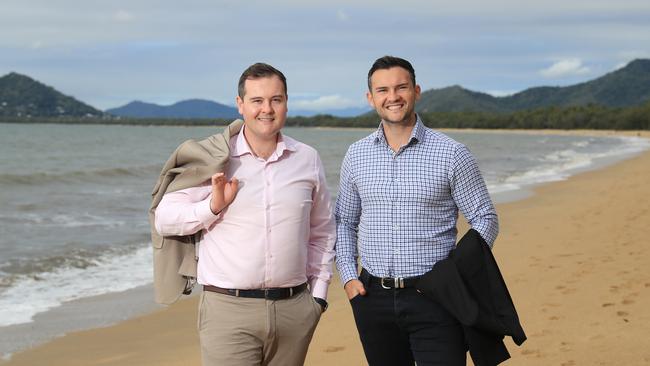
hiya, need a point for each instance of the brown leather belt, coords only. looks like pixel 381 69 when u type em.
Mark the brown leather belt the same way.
pixel 278 293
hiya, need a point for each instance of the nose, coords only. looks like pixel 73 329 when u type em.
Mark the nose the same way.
pixel 267 107
pixel 393 95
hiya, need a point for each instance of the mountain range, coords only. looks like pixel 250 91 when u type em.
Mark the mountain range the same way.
pixel 191 108
pixel 22 96
pixel 627 86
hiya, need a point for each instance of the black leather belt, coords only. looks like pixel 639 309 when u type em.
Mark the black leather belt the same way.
pixel 388 283
pixel 278 293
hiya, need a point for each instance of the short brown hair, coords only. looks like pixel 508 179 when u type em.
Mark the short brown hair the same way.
pixel 256 71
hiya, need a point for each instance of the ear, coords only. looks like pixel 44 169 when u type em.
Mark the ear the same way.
pixel 240 105
pixel 418 91
pixel 370 100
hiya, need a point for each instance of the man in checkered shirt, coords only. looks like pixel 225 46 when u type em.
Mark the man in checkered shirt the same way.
pixel 400 193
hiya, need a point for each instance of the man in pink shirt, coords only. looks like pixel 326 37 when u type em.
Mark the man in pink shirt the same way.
pixel 267 236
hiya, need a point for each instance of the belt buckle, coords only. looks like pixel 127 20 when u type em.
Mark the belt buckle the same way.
pixel 382 283
pixel 267 294
pixel 398 282
pixel 273 294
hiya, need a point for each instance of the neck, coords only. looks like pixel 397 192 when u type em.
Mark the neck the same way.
pixel 262 148
pixel 397 134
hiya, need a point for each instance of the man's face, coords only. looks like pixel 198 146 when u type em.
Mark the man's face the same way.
pixel 393 95
pixel 264 107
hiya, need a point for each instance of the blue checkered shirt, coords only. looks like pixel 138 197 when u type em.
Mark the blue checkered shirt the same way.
pixel 398 210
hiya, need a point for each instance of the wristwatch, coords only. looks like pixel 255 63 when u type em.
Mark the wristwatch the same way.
pixel 321 302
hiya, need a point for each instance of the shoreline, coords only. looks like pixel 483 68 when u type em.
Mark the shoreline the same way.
pixel 323 348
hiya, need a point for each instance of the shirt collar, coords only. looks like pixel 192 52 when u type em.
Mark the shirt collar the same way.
pixel 242 148
pixel 417 134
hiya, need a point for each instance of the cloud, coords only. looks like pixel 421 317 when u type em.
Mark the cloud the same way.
pixel 123 16
pixel 342 15
pixel 501 93
pixel 327 102
pixel 164 50
pixel 564 68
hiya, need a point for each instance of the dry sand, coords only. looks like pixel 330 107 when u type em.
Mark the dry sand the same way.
pixel 575 256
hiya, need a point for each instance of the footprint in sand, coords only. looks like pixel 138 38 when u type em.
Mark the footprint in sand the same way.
pixel 531 353
pixel 551 304
pixel 623 313
pixel 331 349
pixel 565 346
pixel 542 333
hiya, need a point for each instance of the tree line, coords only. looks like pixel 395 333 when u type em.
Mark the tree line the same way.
pixel 575 117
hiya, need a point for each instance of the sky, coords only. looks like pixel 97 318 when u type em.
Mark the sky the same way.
pixel 108 53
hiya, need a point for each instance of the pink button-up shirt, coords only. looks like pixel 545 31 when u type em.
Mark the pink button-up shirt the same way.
pixel 279 230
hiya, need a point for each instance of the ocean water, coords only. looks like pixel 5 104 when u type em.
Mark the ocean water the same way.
pixel 74 201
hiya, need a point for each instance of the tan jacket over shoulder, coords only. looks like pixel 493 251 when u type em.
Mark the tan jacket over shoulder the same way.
pixel 190 165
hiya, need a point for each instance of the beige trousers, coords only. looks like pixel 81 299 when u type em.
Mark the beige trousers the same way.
pixel 243 331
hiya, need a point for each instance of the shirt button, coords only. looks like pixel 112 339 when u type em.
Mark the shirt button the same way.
pixel 395 227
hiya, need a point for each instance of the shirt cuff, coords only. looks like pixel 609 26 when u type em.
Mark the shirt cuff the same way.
pixel 319 288
pixel 205 214
pixel 348 274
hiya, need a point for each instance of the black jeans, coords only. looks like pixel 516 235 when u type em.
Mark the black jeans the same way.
pixel 401 326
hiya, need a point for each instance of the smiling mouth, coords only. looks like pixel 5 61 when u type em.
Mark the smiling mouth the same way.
pixel 395 107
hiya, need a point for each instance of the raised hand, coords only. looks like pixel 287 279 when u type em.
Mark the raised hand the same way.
pixel 223 192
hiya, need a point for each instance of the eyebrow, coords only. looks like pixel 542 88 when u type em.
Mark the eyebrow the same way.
pixel 271 97
pixel 380 88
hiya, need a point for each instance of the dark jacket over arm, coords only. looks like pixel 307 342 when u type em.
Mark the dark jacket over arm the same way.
pixel 469 285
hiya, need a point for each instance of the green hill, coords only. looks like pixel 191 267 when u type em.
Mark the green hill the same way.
pixel 625 87
pixel 22 96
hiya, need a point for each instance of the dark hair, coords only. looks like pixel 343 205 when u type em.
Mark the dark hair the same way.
pixel 256 71
pixel 387 62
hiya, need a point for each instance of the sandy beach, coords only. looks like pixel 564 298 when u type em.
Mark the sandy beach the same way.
pixel 574 255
